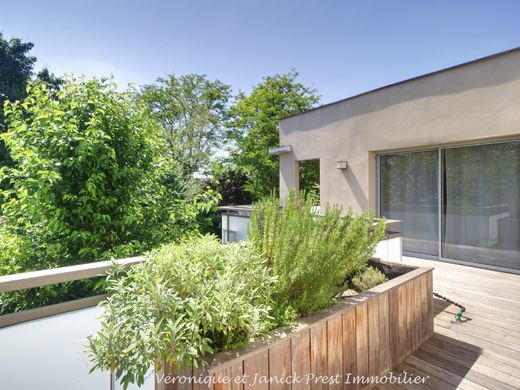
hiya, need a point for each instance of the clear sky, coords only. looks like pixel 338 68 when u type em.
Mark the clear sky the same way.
pixel 339 47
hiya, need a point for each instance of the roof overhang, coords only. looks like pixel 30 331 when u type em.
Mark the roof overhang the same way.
pixel 280 150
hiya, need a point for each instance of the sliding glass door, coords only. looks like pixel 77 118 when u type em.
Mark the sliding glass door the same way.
pixel 461 201
pixel 481 204
pixel 409 189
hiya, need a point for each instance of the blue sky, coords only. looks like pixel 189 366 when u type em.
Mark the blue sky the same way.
pixel 339 47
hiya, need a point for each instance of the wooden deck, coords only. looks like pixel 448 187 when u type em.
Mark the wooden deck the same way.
pixel 482 352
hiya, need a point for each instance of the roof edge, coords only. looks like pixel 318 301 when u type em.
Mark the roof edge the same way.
pixel 498 54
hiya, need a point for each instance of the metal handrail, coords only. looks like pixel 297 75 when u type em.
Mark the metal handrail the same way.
pixel 45 277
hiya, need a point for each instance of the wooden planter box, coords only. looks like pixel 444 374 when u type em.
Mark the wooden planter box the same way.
pixel 365 335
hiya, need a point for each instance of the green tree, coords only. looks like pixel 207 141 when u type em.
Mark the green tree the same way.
pixel 253 127
pixel 88 181
pixel 53 82
pixel 309 172
pixel 191 111
pixel 16 67
pixel 229 181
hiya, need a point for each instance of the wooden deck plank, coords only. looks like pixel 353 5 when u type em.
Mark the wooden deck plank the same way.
pixel 447 376
pixel 471 374
pixel 481 353
pixel 503 372
pixel 459 352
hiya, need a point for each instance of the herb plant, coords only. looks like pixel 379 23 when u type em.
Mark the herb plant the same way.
pixel 368 278
pixel 312 255
pixel 185 301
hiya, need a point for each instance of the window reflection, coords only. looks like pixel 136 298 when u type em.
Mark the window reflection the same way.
pixel 481 204
pixel 409 192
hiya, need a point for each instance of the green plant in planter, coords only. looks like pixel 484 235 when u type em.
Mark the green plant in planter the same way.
pixel 312 255
pixel 185 301
pixel 368 278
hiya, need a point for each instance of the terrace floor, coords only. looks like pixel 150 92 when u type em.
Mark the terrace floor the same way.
pixel 482 352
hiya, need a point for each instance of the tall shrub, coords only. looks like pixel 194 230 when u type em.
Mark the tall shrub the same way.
pixel 185 301
pixel 312 255
pixel 253 127
pixel 89 182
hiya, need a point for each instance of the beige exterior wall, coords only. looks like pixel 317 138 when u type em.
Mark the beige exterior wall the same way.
pixel 472 103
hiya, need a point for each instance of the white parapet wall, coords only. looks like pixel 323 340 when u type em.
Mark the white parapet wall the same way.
pixel 44 348
pixel 49 354
pixel 235 220
pixel 390 249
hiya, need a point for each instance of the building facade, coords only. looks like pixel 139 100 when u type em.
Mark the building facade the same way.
pixel 440 151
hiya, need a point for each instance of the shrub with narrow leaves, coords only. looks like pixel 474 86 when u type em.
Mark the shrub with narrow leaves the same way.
pixel 312 255
pixel 185 301
pixel 368 278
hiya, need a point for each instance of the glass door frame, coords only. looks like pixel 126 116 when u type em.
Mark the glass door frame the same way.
pixel 441 202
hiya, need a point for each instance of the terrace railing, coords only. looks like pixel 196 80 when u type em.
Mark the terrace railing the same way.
pixel 44 348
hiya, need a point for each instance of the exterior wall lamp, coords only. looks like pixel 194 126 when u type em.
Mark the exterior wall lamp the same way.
pixel 341 164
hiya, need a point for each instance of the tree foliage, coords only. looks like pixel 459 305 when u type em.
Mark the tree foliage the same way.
pixel 90 179
pixel 309 172
pixel 191 111
pixel 253 127
pixel 52 81
pixel 16 67
pixel 229 181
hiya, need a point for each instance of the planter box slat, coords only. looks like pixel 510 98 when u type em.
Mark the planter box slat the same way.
pixel 410 317
pixel 335 350
pixel 418 313
pixel 349 344
pixel 202 373
pixel 393 326
pixel 429 287
pixel 253 365
pixel 177 385
pixel 319 355
pixel 186 385
pixel 280 363
pixel 362 339
pixel 229 376
pixel 373 336
pixel 384 335
pixel 301 358
pixel 402 320
pixel 365 335
pixel 424 308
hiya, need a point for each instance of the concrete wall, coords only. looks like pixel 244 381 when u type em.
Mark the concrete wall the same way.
pixel 471 103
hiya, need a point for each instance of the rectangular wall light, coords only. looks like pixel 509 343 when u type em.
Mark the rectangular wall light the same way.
pixel 341 164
